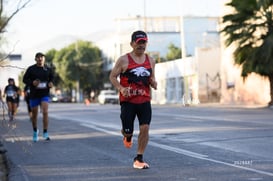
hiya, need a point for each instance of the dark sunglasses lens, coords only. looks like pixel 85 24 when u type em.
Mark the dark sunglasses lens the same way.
pixel 141 42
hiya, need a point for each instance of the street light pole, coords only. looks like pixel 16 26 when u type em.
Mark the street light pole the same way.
pixel 78 77
pixel 186 96
pixel 144 15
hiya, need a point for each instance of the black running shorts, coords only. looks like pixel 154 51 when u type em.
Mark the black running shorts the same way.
pixel 129 111
pixel 12 100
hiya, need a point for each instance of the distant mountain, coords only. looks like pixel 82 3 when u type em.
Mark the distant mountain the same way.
pixel 60 42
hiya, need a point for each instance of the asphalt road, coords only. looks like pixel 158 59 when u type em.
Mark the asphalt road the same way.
pixel 186 144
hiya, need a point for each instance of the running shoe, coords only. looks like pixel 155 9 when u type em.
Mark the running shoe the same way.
pixel 11 118
pixel 140 164
pixel 12 123
pixel 36 136
pixel 46 137
pixel 127 144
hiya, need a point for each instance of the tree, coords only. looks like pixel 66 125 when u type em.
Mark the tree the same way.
pixel 250 29
pixel 173 53
pixel 5 19
pixel 49 61
pixel 79 62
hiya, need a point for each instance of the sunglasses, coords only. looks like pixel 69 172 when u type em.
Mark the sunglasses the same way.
pixel 141 42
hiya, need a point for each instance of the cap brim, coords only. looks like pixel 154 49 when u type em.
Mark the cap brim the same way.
pixel 139 39
pixel 40 55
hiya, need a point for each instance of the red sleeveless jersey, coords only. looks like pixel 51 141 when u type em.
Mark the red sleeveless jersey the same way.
pixel 137 79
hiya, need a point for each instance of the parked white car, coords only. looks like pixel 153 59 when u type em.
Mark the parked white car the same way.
pixel 108 96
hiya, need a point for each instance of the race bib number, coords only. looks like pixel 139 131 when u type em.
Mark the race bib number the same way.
pixel 10 93
pixel 42 85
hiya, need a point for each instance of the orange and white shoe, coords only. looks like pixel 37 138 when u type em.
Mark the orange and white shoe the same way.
pixel 140 165
pixel 127 144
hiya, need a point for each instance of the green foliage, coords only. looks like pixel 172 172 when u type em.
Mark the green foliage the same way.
pixel 250 29
pixel 80 61
pixel 173 52
pixel 49 61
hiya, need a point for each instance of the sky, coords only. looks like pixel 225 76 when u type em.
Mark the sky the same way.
pixel 42 20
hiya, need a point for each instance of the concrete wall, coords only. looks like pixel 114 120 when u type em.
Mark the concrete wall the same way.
pixel 171 77
pixel 209 80
pixel 195 75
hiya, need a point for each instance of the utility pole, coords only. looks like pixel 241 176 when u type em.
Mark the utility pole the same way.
pixel 78 88
pixel 186 95
pixel 144 15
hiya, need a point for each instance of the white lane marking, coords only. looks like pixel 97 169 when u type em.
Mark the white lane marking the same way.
pixel 194 118
pixel 201 118
pixel 184 152
pixel 169 148
pixel 177 150
pixel 100 129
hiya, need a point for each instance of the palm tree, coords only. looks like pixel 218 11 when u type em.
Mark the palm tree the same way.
pixel 250 29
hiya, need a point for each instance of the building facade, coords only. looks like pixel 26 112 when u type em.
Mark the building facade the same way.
pixel 180 81
pixel 10 67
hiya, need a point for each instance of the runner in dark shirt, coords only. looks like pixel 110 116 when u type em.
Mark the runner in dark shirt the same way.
pixel 39 78
pixel 12 93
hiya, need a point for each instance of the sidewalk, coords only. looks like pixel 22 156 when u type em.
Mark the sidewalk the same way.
pixel 4 170
pixel 3 163
pixel 8 133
